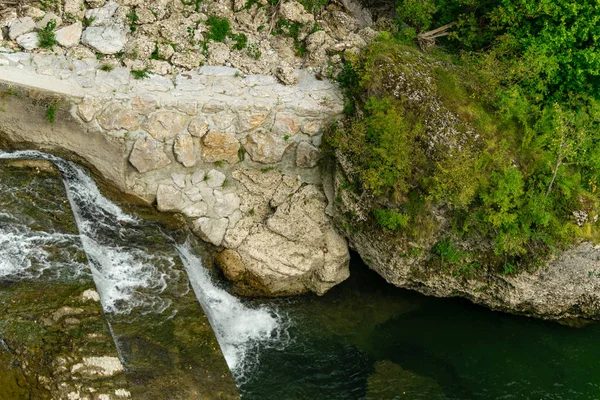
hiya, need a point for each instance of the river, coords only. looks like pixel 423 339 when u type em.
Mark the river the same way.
pixel 364 339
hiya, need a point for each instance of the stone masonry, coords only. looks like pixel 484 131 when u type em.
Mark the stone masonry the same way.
pixel 236 154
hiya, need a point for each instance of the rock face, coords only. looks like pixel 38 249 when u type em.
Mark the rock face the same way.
pixel 291 251
pixel 567 288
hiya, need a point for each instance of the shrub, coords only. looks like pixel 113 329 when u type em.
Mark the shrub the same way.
pixel 241 41
pixel 46 35
pixel 219 28
pixel 391 220
pixel 140 73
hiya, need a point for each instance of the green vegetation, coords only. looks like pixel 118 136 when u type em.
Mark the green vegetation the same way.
pixel 253 51
pixel 46 35
pixel 51 113
pixel 140 73
pixel 219 29
pixel 291 29
pixel 241 41
pixel 196 3
pixel 106 67
pixel 133 18
pixel 497 127
pixel 88 21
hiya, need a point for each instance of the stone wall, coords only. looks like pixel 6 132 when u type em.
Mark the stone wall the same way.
pixel 237 155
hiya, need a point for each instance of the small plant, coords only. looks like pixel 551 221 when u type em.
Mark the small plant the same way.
pixel 241 41
pixel 51 113
pixel 264 170
pixel 251 212
pixel 391 220
pixel 99 56
pixel 106 67
pixel 220 28
pixel 155 55
pixel 286 137
pixel 119 55
pixel 218 163
pixel 195 3
pixel 88 21
pixel 253 51
pixel 260 28
pixel 225 183
pixel 46 35
pixel 140 73
pixel 133 18
pixel 241 154
pixel 447 251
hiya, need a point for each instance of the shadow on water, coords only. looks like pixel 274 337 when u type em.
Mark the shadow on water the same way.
pixel 368 339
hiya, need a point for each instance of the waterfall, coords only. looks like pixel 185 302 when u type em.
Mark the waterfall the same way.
pixel 127 276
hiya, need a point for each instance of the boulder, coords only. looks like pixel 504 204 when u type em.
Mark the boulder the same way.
pixel 102 16
pixel 163 125
pixel 295 12
pixel 148 154
pixel 116 116
pixel 109 39
pixel 286 124
pixel 20 26
pixel 265 148
pixel 70 35
pixel 307 155
pixel 198 127
pixel 211 230
pixel 169 199
pixel 217 146
pixel 29 41
pixel 184 150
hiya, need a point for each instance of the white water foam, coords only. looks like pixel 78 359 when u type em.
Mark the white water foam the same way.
pixel 240 330
pixel 120 272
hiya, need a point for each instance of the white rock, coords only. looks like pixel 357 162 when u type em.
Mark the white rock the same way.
pixel 225 204
pixel 108 39
pixel 69 36
pixel 211 230
pixel 198 176
pixel 215 178
pixel 101 16
pixel 29 41
pixel 198 209
pixel 90 294
pixel 20 26
pixel 169 198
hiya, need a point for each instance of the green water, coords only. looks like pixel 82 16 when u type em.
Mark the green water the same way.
pixel 366 339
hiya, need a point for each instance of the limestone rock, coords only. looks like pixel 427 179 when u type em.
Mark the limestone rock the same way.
pixel 215 178
pixel 286 124
pixel 186 59
pixel 145 104
pixel 29 41
pixel 247 121
pixel 211 230
pixel 265 148
pixel 20 26
pixel 116 116
pixel 218 53
pixel 87 108
pixel 307 155
pixel 294 11
pixel 164 125
pixel 184 150
pixel 225 204
pixel 217 146
pixel 102 16
pixel 7 15
pixel 198 127
pixel 313 127
pixel 196 210
pixel 70 35
pixel 169 199
pixel 317 45
pixel 148 155
pixel 197 176
pixel 109 39
pixel 74 8
pixel 286 74
pixel 188 107
pixel 42 23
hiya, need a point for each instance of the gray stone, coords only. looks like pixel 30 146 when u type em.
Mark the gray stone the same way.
pixel 307 155
pixel 196 210
pixel 184 150
pixel 211 230
pixel 145 104
pixel 198 176
pixel 225 204
pixel 88 108
pixel 20 26
pixel 286 124
pixel 198 127
pixel 148 155
pixel 215 178
pixel 164 125
pixel 116 116
pixel 265 148
pixel 178 179
pixel 102 16
pixel 108 39
pixel 219 71
pixel 29 41
pixel 169 199
pixel 69 36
